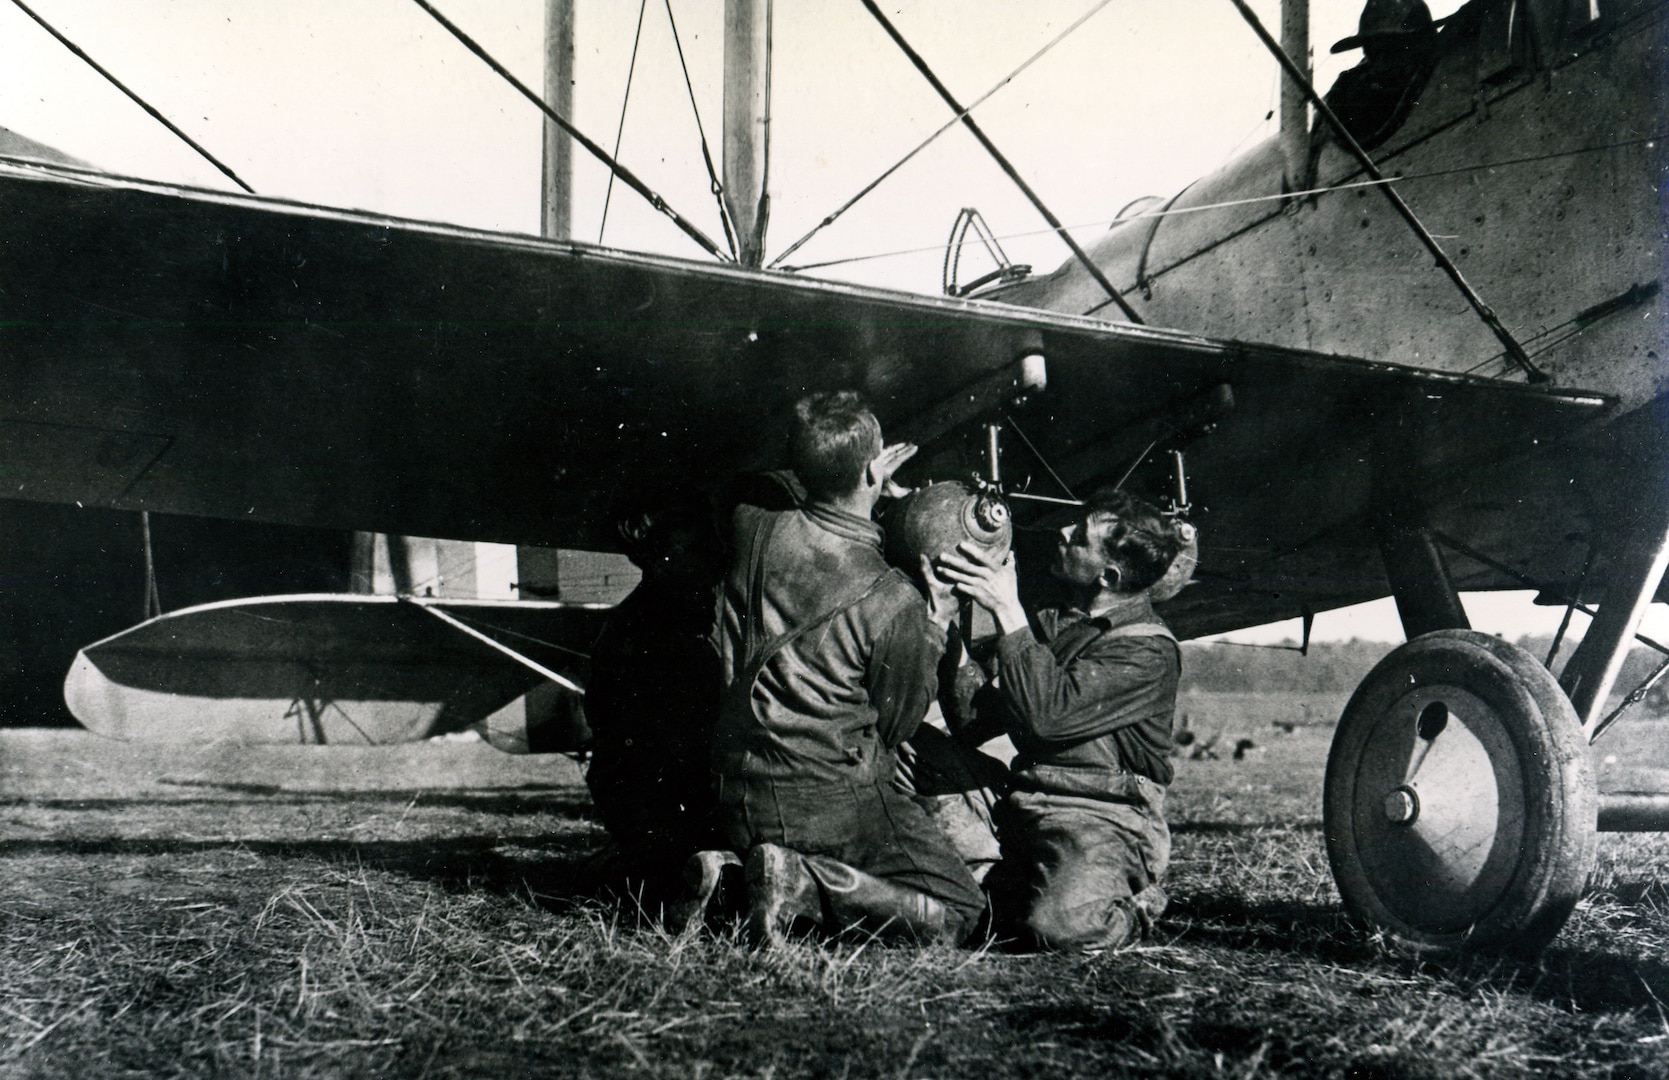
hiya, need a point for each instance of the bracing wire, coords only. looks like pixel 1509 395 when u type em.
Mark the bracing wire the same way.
pixel 625 99
pixel 1228 203
pixel 135 98
pixel 629 178
pixel 482 624
pixel 1041 460
pixel 1345 139
pixel 706 153
pixel 952 122
pixel 1013 174
pixel 1101 223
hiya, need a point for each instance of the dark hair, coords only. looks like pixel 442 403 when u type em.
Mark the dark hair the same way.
pixel 647 521
pixel 833 439
pixel 1142 542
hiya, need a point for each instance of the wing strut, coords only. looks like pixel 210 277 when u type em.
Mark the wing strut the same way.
pixel 1514 350
pixel 626 175
pixel 997 156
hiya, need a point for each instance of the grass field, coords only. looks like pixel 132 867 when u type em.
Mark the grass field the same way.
pixel 414 912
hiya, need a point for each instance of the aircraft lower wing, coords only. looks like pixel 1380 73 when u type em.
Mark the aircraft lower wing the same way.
pixel 335 669
pixel 203 353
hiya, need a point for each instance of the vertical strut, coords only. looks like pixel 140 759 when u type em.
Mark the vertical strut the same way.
pixel 1636 573
pixel 1420 582
pixel 1414 565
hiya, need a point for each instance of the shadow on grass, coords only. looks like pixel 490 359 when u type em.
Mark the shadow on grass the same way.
pixel 1290 926
pixel 560 801
pixel 1594 982
pixel 556 869
pixel 1239 828
pixel 1580 979
pixel 1168 1043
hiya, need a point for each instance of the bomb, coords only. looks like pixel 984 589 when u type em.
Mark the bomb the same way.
pixel 1181 570
pixel 933 520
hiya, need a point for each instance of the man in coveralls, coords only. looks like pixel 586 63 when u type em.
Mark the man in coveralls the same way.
pixel 651 701
pixel 829 662
pixel 1087 692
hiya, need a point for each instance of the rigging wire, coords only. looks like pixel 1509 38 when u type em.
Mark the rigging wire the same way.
pixel 135 98
pixel 952 122
pixel 968 122
pixel 626 98
pixel 1581 321
pixel 1530 582
pixel 1095 224
pixel 629 178
pixel 1041 460
pixel 1227 203
pixel 1348 141
pixel 1570 607
pixel 483 624
pixel 706 154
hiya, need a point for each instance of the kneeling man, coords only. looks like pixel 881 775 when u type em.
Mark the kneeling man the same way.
pixel 829 661
pixel 1087 693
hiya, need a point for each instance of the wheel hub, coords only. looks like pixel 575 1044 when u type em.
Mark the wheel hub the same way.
pixel 1402 805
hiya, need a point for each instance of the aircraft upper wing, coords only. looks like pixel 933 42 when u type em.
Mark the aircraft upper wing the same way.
pixel 203 353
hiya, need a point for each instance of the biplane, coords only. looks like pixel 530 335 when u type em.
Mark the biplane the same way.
pixel 1410 346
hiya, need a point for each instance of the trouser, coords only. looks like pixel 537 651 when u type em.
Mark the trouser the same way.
pixel 658 809
pixel 872 852
pixel 1073 867
pixel 958 787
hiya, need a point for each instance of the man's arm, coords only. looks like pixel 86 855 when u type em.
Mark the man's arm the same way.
pixel 1111 684
pixel 973 707
pixel 902 678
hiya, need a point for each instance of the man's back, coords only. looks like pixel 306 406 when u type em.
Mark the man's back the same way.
pixel 828 654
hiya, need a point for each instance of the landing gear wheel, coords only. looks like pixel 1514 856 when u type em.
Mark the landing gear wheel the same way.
pixel 1459 804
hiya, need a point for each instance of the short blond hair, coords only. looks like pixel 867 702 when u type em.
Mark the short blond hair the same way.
pixel 833 438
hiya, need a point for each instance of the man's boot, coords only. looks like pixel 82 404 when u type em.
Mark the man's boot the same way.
pixel 780 890
pixel 706 878
pixel 1150 903
pixel 885 908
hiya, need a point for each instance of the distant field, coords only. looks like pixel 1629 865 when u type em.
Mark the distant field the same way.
pixel 416 911
pixel 1256 716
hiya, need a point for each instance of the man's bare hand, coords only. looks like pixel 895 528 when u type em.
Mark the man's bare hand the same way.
pixel 986 580
pixel 942 604
pixel 888 461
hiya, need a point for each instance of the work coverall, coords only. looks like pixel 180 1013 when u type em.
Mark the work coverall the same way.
pixel 651 702
pixel 829 663
pixel 1089 704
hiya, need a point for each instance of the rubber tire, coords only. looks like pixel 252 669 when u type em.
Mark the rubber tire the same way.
pixel 1541 881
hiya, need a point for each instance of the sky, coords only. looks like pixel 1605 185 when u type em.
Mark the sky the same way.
pixel 370 104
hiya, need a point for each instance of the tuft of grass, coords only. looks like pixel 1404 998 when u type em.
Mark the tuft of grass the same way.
pixel 232 928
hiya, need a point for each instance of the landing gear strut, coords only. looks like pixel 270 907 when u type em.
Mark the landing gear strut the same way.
pixel 1460 806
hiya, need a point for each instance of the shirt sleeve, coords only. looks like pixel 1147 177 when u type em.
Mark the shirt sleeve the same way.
pixel 1110 685
pixel 902 677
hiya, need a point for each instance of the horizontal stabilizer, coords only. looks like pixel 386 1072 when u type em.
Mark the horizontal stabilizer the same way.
pixel 326 668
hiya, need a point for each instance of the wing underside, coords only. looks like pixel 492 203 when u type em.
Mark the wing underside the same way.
pixel 199 353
